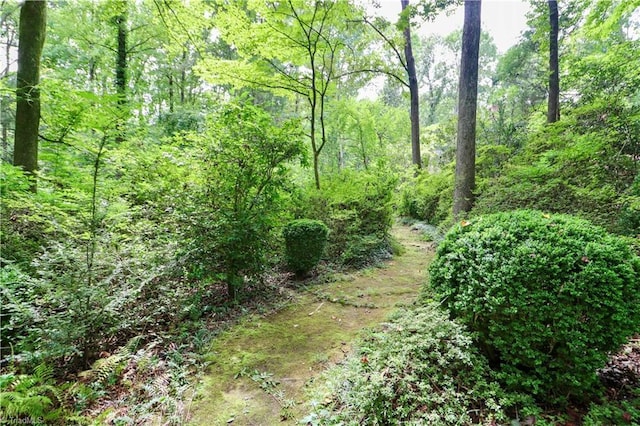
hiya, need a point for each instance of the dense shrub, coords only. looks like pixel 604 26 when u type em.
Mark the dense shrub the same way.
pixel 566 168
pixel 422 369
pixel 305 240
pixel 233 212
pixel 427 197
pixel 548 296
pixel 629 218
pixel 28 221
pixel 357 208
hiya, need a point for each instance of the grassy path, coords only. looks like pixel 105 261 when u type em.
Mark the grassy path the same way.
pixel 260 367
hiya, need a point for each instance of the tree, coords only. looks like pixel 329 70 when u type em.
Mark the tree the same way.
pixel 246 159
pixel 33 18
pixel 120 22
pixel 413 90
pixel 467 106
pixel 553 109
pixel 293 48
pixel 427 9
pixel 8 35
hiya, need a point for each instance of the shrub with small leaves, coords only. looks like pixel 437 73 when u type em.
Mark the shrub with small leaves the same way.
pixel 305 240
pixel 422 368
pixel 548 297
pixel 357 208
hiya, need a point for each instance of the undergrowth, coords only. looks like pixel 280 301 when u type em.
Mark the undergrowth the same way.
pixel 421 368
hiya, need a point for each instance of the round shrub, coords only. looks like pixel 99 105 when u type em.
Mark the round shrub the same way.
pixel 548 297
pixel 305 240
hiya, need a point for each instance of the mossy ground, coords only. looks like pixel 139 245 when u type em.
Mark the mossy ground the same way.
pixel 259 368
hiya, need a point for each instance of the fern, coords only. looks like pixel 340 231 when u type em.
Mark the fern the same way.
pixel 30 395
pixel 105 368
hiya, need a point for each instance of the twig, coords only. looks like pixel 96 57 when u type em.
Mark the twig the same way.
pixel 317 309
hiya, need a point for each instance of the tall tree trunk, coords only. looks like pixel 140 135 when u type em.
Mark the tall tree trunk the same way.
pixel 5 101
pixel 553 109
pixel 170 92
pixel 467 105
pixel 121 69
pixel 183 76
pixel 33 18
pixel 413 90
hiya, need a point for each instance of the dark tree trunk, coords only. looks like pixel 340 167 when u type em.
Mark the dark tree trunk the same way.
pixel 33 18
pixel 170 93
pixel 467 105
pixel 413 90
pixel 183 76
pixel 553 109
pixel 121 69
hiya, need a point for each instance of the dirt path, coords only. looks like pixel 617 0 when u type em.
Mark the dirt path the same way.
pixel 259 368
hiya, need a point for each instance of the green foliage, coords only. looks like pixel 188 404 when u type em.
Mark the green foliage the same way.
pixel 427 197
pixel 565 168
pixel 629 218
pixel 237 205
pixel 31 397
pixel 548 297
pixel 357 208
pixel 621 412
pixel 28 221
pixel 421 369
pixel 305 240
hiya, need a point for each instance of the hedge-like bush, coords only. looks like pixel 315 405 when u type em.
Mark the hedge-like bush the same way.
pixel 305 240
pixel 548 297
pixel 357 208
pixel 427 197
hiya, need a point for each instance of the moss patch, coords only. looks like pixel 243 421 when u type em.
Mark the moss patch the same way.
pixel 259 368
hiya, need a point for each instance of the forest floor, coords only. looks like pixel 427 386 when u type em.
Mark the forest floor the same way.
pixel 261 368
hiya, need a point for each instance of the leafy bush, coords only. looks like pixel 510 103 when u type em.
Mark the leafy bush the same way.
pixel 427 197
pixel 625 411
pixel 548 296
pixel 356 206
pixel 28 221
pixel 423 369
pixel 629 219
pixel 569 168
pixel 305 240
pixel 234 211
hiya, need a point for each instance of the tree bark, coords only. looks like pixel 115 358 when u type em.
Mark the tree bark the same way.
pixel 467 106
pixel 33 18
pixel 121 69
pixel 553 107
pixel 413 91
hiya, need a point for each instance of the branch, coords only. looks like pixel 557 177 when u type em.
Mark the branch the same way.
pixel 268 85
pixel 375 71
pixel 59 140
pixel 389 42
pixel 284 74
